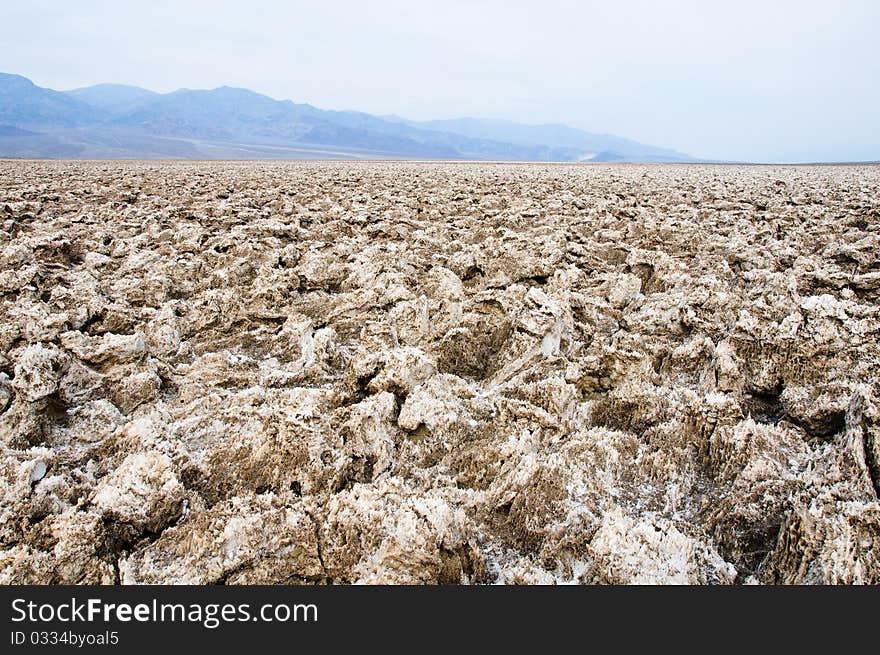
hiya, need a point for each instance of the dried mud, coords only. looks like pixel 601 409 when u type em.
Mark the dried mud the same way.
pixel 438 373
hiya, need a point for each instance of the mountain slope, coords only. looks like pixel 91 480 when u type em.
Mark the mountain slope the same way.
pixel 25 105
pixel 119 121
pixel 113 98
pixel 552 135
pixel 229 114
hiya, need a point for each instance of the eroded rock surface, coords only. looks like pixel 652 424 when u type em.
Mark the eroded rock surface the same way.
pixel 439 373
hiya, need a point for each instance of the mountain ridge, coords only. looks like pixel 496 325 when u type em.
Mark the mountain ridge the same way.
pixel 118 121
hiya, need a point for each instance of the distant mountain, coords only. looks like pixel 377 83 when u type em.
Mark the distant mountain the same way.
pixel 113 98
pixel 24 104
pixel 118 121
pixel 554 136
pixel 8 130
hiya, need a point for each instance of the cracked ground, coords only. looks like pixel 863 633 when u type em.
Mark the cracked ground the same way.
pixel 424 372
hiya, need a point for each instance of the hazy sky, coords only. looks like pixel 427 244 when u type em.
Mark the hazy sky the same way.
pixel 746 80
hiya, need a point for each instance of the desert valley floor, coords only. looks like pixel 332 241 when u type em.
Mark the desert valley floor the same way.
pixel 430 372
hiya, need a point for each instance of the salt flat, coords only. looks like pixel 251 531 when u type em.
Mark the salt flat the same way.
pixel 432 372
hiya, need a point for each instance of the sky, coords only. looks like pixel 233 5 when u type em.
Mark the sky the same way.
pixel 768 80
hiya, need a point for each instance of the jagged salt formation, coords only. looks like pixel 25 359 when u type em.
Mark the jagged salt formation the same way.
pixel 421 373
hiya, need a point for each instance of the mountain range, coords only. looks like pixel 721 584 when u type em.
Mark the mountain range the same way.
pixel 114 121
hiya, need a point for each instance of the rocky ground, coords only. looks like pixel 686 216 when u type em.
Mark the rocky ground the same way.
pixel 455 373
